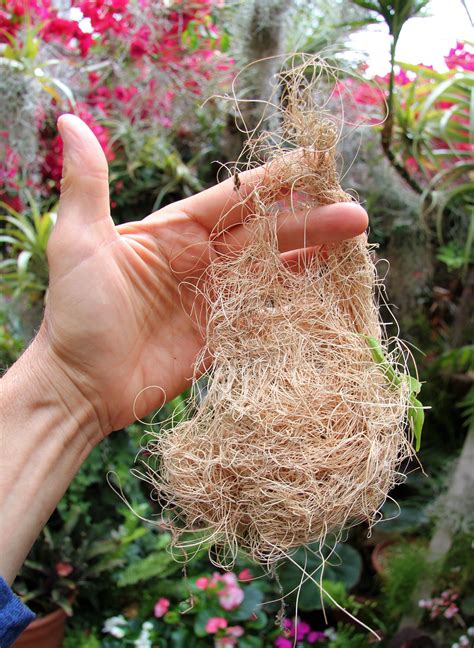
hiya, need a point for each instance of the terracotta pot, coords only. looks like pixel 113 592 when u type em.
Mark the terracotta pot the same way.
pixel 379 555
pixel 44 632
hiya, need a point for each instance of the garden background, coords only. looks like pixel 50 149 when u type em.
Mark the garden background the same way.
pixel 139 73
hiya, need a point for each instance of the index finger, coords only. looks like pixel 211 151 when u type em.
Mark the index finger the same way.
pixel 225 204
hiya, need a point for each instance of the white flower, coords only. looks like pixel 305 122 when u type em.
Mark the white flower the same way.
pixel 464 640
pixel 330 634
pixel 455 645
pixel 143 640
pixel 470 631
pixel 114 627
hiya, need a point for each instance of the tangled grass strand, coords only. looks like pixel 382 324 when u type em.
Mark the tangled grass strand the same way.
pixel 300 434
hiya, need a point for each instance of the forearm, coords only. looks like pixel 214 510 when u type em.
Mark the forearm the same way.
pixel 47 429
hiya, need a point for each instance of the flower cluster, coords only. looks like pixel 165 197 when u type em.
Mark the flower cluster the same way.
pixel 171 55
pixel 303 633
pixel 228 591
pixel 459 58
pixel 438 120
pixel 465 640
pixel 222 609
pixel 443 605
pixel 225 635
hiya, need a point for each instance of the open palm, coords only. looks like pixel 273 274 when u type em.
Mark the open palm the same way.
pixel 119 317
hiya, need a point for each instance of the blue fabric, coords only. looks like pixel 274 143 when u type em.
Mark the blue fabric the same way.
pixel 14 616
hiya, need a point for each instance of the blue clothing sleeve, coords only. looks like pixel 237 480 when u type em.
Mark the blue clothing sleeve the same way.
pixel 14 616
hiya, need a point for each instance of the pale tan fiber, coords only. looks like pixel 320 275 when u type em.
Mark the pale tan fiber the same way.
pixel 300 433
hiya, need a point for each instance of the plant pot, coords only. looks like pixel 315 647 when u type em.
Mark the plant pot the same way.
pixel 379 555
pixel 44 632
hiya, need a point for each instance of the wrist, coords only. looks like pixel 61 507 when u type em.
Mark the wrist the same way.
pixel 47 430
pixel 51 379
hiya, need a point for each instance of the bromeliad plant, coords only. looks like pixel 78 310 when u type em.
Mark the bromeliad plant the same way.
pixel 25 236
pixel 434 141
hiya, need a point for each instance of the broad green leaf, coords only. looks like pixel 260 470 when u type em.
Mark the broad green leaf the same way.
pixel 344 565
pixel 253 598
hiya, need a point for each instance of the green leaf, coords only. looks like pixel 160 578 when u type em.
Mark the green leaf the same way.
pixel 415 384
pixel 378 356
pixel 250 642
pixel 416 414
pixel 180 638
pixel 260 622
pixel 200 623
pixel 344 565
pixel 172 617
pixel 158 564
pixel 253 598
pixel 225 42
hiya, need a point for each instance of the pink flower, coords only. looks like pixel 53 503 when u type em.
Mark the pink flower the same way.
pixel 230 597
pixel 302 630
pixel 230 579
pixel 202 583
pixel 451 611
pixel 235 631
pixel 63 569
pixel 288 625
pixel 281 642
pixel 315 636
pixel 459 57
pixel 222 642
pixel 161 607
pixel 215 623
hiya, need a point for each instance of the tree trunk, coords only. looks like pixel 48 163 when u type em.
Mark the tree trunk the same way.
pixel 263 43
pixel 456 507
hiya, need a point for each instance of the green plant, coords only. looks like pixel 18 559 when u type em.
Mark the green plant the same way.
pixel 150 165
pixel 405 566
pixel 78 558
pixel 457 569
pixel 396 379
pixel 460 362
pixel 21 55
pixel 343 565
pixel 10 344
pixel 25 236
pixel 81 639
pixel 348 637
pixel 455 256
pixel 62 561
pixel 217 607
pixel 434 130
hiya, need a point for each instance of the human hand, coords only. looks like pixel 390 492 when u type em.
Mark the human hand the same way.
pixel 116 320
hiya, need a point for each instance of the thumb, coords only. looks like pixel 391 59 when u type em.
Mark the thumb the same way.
pixel 84 204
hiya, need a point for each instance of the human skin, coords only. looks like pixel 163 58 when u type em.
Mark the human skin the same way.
pixel 120 316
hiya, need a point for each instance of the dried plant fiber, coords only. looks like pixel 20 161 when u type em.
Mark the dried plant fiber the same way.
pixel 300 434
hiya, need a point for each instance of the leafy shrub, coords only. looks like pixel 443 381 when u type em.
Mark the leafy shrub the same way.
pixel 405 566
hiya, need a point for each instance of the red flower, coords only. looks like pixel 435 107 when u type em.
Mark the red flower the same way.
pixel 161 607
pixel 63 569
pixel 245 575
